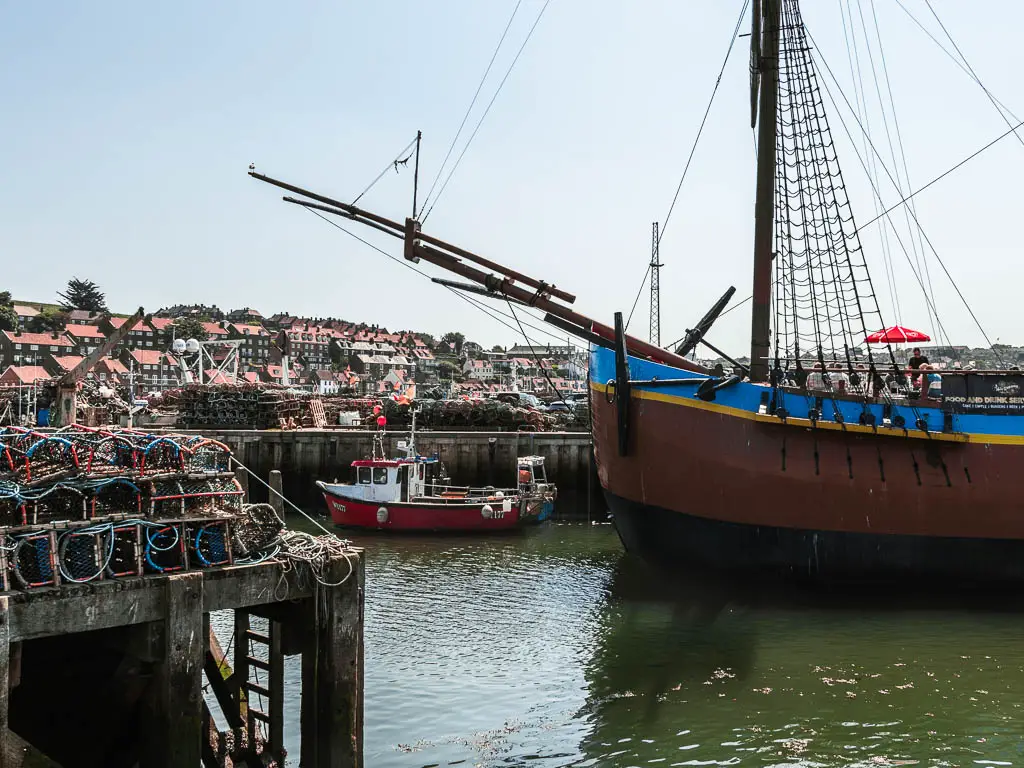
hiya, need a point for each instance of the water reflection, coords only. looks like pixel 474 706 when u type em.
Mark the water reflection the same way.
pixel 695 673
pixel 553 648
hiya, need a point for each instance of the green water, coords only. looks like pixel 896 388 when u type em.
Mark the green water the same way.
pixel 552 648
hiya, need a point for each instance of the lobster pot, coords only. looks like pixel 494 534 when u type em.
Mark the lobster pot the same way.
pixel 215 497
pixel 125 553
pixel 33 560
pixel 209 543
pixel 118 496
pixel 163 454
pixel 207 456
pixel 82 555
pixel 166 499
pixel 163 548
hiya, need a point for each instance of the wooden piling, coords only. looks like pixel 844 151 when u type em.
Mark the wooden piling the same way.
pixel 161 622
pixel 5 680
pixel 277 492
pixel 177 678
pixel 332 712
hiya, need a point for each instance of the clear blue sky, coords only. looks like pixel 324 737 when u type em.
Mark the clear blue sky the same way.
pixel 128 127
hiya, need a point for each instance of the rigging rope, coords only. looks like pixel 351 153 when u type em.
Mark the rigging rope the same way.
pixel 974 74
pixel 918 245
pixel 486 110
pixel 536 357
pixel 689 159
pixel 483 308
pixel 393 164
pixel 944 174
pixel 877 192
pixel 860 99
pixel 471 104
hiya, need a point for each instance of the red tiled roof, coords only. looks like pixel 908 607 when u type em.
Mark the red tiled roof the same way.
pixel 39 338
pixel 147 356
pixel 23 374
pixel 112 365
pixel 67 362
pixel 24 310
pixel 214 329
pixel 80 331
pixel 161 323
pixel 250 329
pixel 251 376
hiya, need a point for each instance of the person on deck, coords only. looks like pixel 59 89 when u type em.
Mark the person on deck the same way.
pixel 816 379
pixel 931 383
pixel 838 378
pixel 916 361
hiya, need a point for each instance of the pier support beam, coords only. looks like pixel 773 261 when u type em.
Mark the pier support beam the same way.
pixel 5 681
pixel 176 700
pixel 332 673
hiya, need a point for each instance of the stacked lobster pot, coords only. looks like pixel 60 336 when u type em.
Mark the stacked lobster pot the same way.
pixel 245 406
pixel 79 504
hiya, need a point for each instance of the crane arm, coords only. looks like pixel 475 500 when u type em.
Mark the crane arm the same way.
pixel 78 373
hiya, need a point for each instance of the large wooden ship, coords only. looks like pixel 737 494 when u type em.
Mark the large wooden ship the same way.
pixel 778 467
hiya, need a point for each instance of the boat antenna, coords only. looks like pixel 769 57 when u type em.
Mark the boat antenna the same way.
pixel 764 206
pixel 411 450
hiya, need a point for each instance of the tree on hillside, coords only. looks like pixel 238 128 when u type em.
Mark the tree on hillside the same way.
pixel 83 294
pixel 189 328
pixel 447 371
pixel 454 339
pixel 427 339
pixel 49 319
pixel 8 317
pixel 497 348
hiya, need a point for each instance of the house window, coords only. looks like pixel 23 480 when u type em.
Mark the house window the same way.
pixel 33 347
pixel 53 349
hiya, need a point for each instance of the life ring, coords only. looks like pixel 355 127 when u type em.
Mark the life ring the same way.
pixel 382 515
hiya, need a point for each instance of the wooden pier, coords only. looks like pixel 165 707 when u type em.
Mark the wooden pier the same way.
pixel 110 674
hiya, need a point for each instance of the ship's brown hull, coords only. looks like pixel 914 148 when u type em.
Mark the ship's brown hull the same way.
pixel 702 487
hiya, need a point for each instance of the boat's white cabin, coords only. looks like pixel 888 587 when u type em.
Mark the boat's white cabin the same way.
pixel 390 480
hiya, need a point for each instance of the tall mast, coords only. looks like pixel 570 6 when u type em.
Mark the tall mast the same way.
pixel 764 206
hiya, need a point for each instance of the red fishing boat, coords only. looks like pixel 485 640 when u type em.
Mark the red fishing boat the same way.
pixel 413 493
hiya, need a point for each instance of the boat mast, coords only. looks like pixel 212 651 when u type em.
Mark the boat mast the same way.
pixel 764 206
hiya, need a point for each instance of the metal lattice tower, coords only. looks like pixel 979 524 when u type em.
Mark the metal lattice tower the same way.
pixel 655 288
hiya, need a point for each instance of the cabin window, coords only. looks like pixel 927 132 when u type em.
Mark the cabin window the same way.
pixel 364 475
pixel 380 475
pixel 422 470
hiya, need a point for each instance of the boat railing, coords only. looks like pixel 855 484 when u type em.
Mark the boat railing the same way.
pixel 461 493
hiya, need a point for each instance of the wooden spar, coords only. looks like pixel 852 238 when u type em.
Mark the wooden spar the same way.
pixel 507 287
pixel 563 295
pixel 357 213
pixel 337 212
pixel 764 207
pixel 537 299
pixel 578 331
pixel 399 230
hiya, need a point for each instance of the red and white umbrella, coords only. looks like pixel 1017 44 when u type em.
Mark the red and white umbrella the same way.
pixel 897 334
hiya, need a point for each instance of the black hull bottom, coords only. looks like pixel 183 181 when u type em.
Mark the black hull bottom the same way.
pixel 689 543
